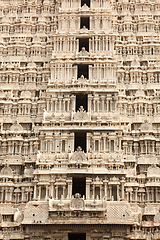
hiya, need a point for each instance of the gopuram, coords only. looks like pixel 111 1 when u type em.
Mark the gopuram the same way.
pixel 80 119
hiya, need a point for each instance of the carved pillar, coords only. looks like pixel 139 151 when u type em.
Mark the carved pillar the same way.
pixel 56 188
pixel 147 194
pixel 156 193
pixel 47 193
pixel 88 182
pixel 73 99
pixel 35 191
pixel 118 198
pixel 127 196
pixel 39 193
pixel 52 189
pixel 69 188
pixel 105 189
pixel 110 192
pixel 122 188
pixel 101 191
pixel 152 195
pixel 64 189
pixel 6 195
pixel 11 192
pixel 93 191
pixel 136 190
pixel 131 196
pixel 89 102
pixel 23 194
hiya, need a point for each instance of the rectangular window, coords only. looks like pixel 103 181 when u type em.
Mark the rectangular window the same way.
pixel 85 22
pixel 84 43
pixel 112 145
pixel 79 185
pixel 83 69
pixel 80 140
pixel 96 146
pixel 60 192
pixel 81 100
pixel 97 192
pixel 78 236
pixel 63 145
pixel 114 193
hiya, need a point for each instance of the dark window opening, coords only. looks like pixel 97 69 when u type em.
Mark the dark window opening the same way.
pixel 152 51
pixel 79 186
pixel 60 192
pixel 84 42
pixel 82 100
pixel 87 2
pixel 85 22
pixel 96 145
pixel 114 193
pixel 112 145
pixel 63 145
pixel 43 193
pixel 97 192
pixel 36 93
pixel 83 69
pixel 80 140
pixel 154 195
pixel 4 193
pixel 14 149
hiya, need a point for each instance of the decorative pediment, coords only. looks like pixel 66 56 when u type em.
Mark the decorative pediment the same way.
pixel 81 115
pixel 140 93
pixel 77 203
pixel 82 79
pixel 6 172
pixel 78 156
pixel 84 53
pixel 79 160
pixel 25 95
pixel 85 7
pixel 31 65
pixel 146 127
pixel 153 171
pixel 16 127
pixel 84 30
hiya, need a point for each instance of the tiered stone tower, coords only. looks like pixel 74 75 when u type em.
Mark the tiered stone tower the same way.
pixel 80 108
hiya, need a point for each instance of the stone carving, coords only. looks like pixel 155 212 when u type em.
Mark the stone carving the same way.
pixel 6 172
pixel 78 156
pixel 18 216
pixel 81 80
pixel 48 115
pixel 28 172
pixel 77 203
pixel 25 95
pixel 44 46
pixel 81 115
pixel 149 209
pixel 153 171
pixel 146 127
pixel 16 127
pixel 83 52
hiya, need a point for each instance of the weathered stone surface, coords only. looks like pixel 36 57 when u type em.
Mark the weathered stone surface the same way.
pixel 79 119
